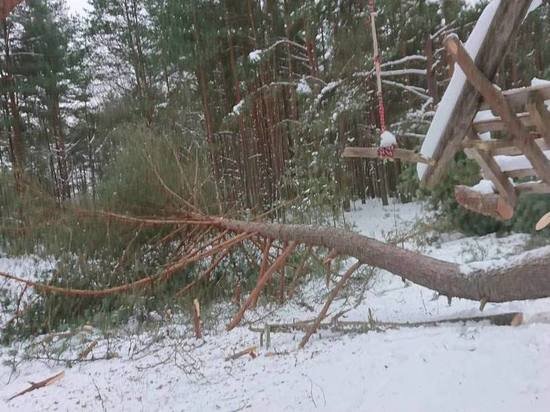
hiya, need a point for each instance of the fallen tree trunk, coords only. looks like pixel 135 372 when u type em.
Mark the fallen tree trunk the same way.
pixel 527 277
pixel 522 278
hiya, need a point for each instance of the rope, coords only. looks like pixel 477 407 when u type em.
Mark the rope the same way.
pixel 378 67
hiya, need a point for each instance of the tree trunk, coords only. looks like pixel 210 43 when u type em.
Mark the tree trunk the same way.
pixel 527 278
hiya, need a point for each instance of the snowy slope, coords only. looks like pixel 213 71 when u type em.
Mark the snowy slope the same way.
pixel 445 368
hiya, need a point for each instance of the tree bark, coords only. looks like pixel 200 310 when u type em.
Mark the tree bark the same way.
pixel 527 278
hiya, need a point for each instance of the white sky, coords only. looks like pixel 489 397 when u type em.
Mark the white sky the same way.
pixel 77 6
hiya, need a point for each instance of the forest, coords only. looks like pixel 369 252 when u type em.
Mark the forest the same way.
pixel 173 185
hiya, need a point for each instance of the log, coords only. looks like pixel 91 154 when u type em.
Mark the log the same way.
pixel 492 205
pixel 526 278
pixel 501 319
pixel 248 351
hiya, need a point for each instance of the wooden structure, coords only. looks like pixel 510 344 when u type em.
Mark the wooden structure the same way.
pixel 515 163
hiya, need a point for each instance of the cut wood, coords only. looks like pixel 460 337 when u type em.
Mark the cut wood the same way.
pixel 491 204
pixel 248 351
pixel 37 385
pixel 544 222
pixel 502 319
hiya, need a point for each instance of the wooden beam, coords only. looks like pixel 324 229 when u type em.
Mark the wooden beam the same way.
pixel 503 28
pixel 532 188
pixel 521 135
pixel 491 171
pixel 503 147
pixel 372 153
pixel 518 98
pixel 539 114
pixel 496 124
pixel 521 173
pixel 491 204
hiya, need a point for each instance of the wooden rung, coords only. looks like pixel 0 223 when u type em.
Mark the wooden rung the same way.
pixel 496 124
pixel 518 98
pixel 533 188
pixel 503 147
pixel 491 204
pixel 491 171
pixel 539 114
pixel 372 153
pixel 521 173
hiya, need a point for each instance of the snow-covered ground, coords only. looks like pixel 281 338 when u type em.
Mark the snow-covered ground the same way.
pixel 452 367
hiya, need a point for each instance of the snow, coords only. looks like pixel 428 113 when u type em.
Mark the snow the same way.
pixel 539 82
pixel 450 367
pixel 255 56
pixel 237 109
pixel 387 139
pixel 484 115
pixel 457 83
pixel 303 87
pixel 484 187
pixel 485 136
pixel 511 163
pixel 534 5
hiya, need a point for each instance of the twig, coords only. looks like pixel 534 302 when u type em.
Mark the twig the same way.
pixel 280 261
pixel 249 351
pixel 41 384
pixel 330 298
pixel 84 354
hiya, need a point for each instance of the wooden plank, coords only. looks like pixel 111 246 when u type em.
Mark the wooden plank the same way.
pixel 497 125
pixel 529 188
pixel 502 146
pixel 490 204
pixel 521 135
pixel 539 114
pixel 503 28
pixel 521 173
pixel 372 153
pixel 491 171
pixel 518 98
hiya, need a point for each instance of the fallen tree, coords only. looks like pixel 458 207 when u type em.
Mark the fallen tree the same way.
pixel 525 277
